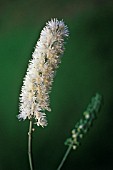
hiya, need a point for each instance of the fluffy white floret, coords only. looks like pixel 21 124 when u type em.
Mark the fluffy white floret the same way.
pixel 34 97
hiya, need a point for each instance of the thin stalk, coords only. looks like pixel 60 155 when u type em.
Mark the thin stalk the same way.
pixel 29 145
pixel 65 156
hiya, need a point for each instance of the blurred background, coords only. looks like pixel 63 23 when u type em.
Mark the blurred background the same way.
pixel 86 68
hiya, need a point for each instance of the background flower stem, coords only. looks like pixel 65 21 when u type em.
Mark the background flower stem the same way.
pixel 30 145
pixel 65 156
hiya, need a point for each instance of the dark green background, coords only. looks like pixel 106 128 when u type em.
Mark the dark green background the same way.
pixel 86 68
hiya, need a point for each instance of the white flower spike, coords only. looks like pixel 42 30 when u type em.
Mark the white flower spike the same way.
pixel 34 97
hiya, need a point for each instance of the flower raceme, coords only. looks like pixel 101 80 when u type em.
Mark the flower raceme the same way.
pixel 34 97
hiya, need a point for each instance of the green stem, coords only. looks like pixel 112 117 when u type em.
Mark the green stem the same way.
pixel 65 156
pixel 29 145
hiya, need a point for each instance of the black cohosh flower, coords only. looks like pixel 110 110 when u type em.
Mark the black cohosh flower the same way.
pixel 34 97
